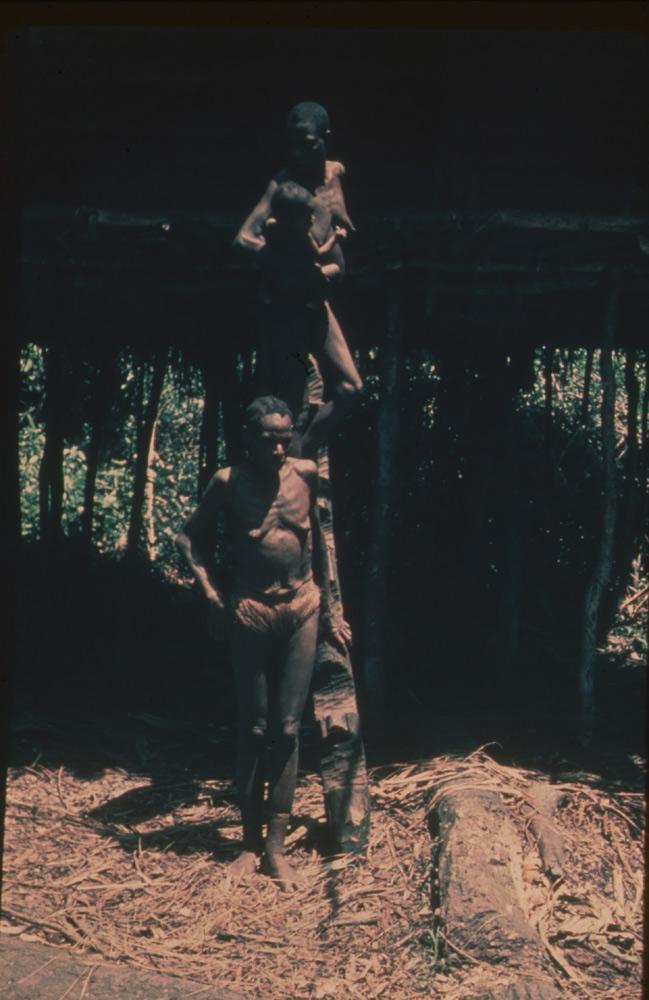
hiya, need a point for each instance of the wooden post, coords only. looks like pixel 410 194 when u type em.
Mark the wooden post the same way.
pixel 602 570
pixel 376 589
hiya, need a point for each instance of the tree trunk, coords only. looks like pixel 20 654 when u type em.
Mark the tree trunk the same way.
pixel 229 392
pixel 548 359
pixel 144 437
pixel 149 498
pixel 101 400
pixel 588 374
pixel 209 440
pixel 644 461
pixel 602 571
pixel 342 754
pixel 248 376
pixel 629 520
pixel 376 590
pixel 10 474
pixel 51 468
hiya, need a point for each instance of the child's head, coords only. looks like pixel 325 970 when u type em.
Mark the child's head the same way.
pixel 292 205
pixel 308 130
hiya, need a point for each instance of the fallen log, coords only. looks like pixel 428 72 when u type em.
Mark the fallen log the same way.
pixel 478 893
pixel 549 841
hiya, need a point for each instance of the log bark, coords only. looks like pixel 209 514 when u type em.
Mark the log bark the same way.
pixel 376 589
pixel 604 562
pixel 30 969
pixel 478 893
pixel 144 437
pixel 549 841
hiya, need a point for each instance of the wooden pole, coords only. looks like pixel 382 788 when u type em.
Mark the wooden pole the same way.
pixel 604 562
pixel 342 754
pixel 376 590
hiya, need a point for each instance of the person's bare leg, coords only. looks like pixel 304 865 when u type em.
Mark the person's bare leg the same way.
pixel 293 687
pixel 251 654
pixel 340 373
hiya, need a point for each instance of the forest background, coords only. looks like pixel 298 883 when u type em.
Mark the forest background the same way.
pixel 473 484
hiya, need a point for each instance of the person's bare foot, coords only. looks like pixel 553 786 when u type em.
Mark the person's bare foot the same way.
pixel 242 866
pixel 277 867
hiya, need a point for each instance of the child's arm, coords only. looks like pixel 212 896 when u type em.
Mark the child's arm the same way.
pixel 250 236
pixel 323 248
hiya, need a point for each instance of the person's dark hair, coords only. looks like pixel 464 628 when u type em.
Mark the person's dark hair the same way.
pixel 263 406
pixel 311 112
pixel 291 201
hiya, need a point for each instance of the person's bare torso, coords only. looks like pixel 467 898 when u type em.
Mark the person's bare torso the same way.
pixel 271 530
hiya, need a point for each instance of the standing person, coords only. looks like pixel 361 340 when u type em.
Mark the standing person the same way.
pixel 270 505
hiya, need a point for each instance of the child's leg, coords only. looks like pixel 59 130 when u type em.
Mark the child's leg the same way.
pixel 343 384
pixel 346 382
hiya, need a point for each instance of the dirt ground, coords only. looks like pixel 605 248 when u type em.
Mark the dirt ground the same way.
pixel 117 841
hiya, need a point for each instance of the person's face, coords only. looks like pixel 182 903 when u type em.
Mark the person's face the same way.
pixel 270 440
pixel 306 144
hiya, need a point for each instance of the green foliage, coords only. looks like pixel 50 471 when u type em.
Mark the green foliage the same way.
pixel 31 435
pixel 175 466
pixel 175 461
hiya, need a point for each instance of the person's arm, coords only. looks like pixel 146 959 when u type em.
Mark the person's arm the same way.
pixel 250 236
pixel 336 172
pixel 196 538
pixel 332 269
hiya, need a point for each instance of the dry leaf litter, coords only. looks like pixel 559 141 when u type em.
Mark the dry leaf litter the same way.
pixel 154 892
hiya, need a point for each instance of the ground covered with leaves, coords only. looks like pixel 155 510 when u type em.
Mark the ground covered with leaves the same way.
pixel 132 867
